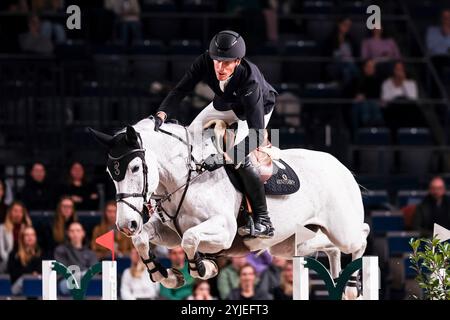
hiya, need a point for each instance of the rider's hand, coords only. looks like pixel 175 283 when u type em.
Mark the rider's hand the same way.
pixel 159 119
pixel 213 162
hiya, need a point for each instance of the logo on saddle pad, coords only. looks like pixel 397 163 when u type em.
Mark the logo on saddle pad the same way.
pixel 285 180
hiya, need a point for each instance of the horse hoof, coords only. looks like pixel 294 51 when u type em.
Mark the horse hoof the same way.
pixel 179 277
pixel 211 267
pixel 174 280
pixel 211 270
pixel 351 293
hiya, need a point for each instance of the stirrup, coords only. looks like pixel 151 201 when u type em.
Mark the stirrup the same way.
pixel 250 231
pixel 266 234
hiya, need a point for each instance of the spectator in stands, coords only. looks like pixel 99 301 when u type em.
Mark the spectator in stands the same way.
pixel 270 11
pixel 438 37
pixel 288 111
pixel 270 278
pixel 34 41
pixel 342 48
pixel 177 257
pixel 201 291
pixel 366 111
pixel 16 220
pixel 38 193
pixel 136 283
pixel 398 86
pixel 285 290
pixel 27 260
pixel 247 289
pixel 8 196
pixel 65 214
pixel 123 243
pixel 17 6
pixel 380 48
pixel 259 261
pixel 3 206
pixel 83 194
pixel 435 208
pixel 74 252
pixel 399 95
pixel 51 29
pixel 228 278
pixel 129 20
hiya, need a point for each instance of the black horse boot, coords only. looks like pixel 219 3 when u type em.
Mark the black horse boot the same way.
pixel 256 194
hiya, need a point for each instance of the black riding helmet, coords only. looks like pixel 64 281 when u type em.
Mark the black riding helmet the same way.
pixel 227 45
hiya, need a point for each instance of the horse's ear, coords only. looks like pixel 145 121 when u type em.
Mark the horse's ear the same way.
pixel 103 138
pixel 132 138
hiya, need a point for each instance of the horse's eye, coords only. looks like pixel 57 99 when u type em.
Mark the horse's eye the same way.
pixel 135 169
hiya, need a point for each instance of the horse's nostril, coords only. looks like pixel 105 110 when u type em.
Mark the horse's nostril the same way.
pixel 133 224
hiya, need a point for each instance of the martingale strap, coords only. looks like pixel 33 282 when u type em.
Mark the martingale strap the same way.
pixel 162 199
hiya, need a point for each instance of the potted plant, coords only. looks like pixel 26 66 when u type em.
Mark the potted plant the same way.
pixel 430 259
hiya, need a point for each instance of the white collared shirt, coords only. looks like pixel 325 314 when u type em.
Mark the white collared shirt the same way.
pixel 223 84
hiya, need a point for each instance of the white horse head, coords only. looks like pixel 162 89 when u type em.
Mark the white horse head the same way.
pixel 134 171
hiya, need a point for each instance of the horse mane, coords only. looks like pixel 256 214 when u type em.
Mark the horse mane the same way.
pixel 146 125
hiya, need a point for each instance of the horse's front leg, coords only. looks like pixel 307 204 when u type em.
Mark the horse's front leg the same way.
pixel 170 278
pixel 209 237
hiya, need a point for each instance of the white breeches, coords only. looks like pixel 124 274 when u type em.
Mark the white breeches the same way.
pixel 211 113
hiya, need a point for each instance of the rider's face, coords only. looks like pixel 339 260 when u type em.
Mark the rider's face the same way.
pixel 224 69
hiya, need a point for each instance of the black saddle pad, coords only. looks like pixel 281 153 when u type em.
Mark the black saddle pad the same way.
pixel 282 182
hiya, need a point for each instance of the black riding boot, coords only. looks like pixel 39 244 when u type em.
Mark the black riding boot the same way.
pixel 257 196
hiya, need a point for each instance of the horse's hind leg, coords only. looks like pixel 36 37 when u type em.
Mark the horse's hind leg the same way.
pixel 334 257
pixel 210 237
pixel 351 291
pixel 320 242
pixel 170 278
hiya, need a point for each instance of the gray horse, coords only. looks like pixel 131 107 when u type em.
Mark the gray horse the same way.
pixel 152 164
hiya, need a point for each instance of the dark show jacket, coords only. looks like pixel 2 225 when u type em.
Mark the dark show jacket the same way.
pixel 247 93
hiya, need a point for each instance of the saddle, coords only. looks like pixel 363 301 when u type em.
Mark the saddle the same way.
pixel 278 177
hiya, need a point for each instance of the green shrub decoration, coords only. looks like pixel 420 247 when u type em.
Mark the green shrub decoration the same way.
pixel 431 262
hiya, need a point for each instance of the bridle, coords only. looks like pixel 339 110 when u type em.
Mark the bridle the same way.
pixel 160 199
pixel 120 197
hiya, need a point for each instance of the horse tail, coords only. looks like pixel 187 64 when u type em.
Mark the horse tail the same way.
pixel 364 190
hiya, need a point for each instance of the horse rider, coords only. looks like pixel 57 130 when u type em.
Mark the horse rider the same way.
pixel 242 95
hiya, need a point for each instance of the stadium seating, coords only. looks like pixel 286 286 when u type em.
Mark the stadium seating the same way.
pixel 417 159
pixel 398 242
pixel 410 197
pixel 371 158
pixel 5 286
pixel 386 221
pixel 32 286
pixel 375 199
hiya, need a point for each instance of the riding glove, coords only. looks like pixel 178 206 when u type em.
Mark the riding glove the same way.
pixel 213 162
pixel 158 121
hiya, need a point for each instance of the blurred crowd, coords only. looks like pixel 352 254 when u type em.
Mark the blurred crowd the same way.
pixel 366 68
pixel 63 237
